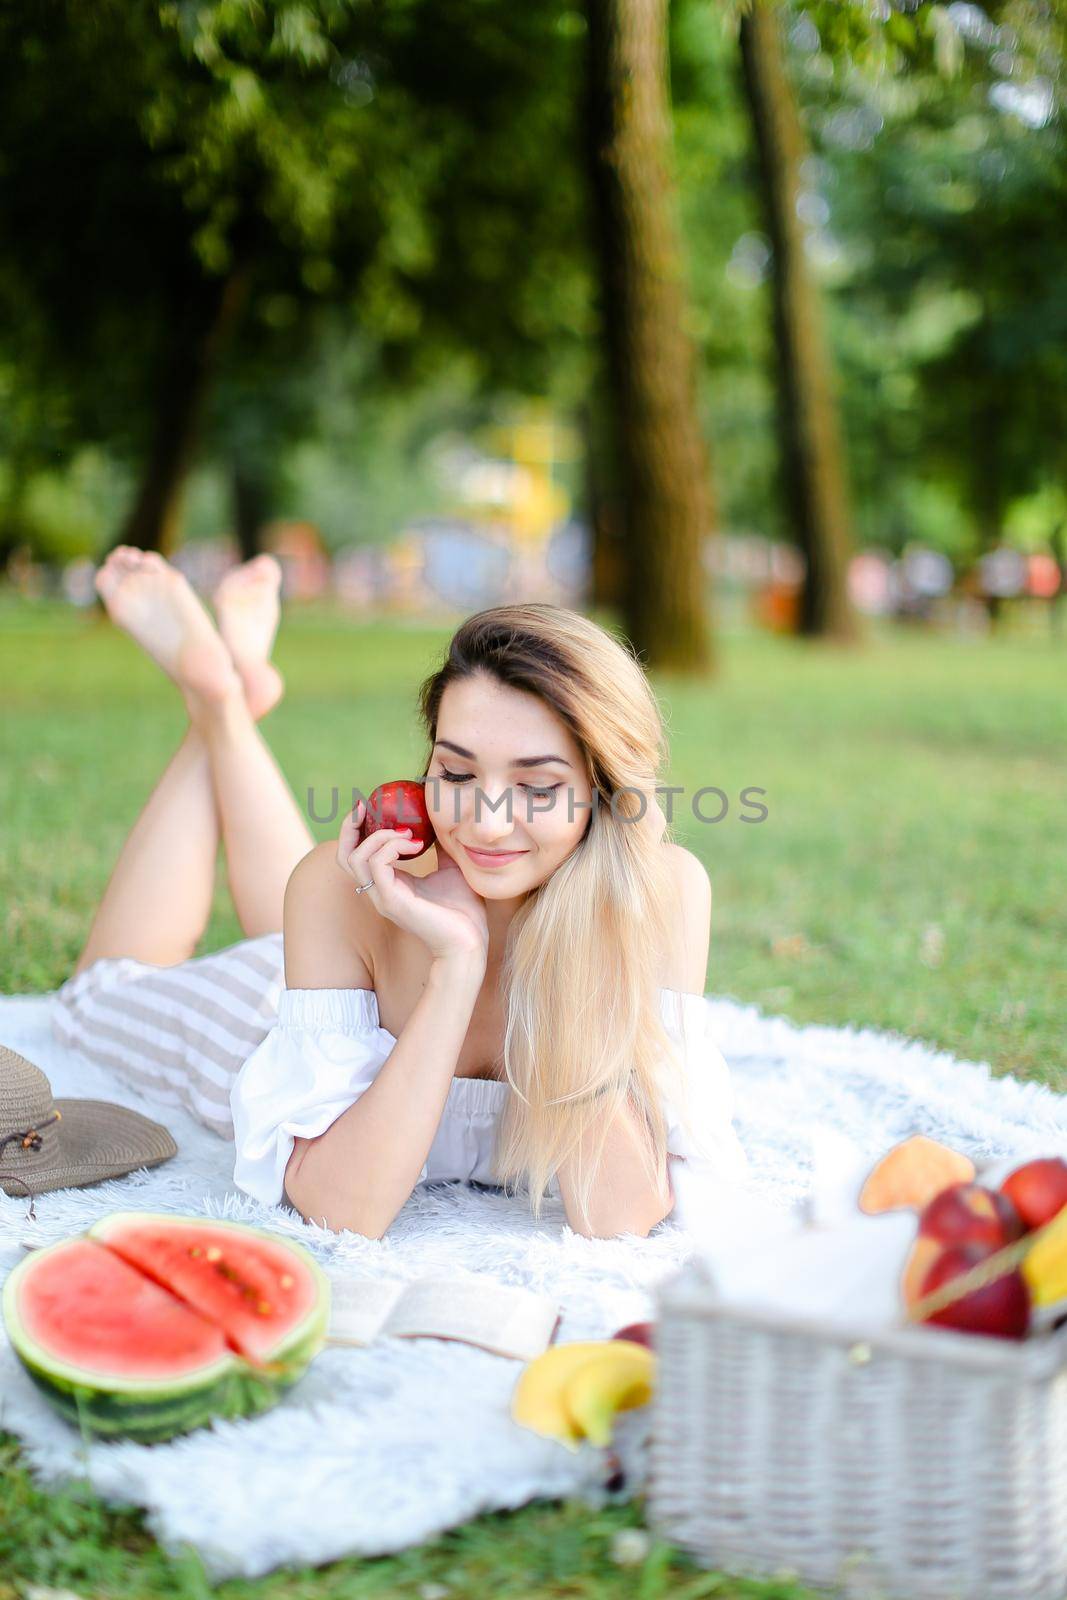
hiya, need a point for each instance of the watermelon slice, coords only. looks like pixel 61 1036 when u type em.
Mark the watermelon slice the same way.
pixel 149 1326
pixel 243 1278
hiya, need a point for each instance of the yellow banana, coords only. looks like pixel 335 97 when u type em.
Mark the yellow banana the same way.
pixel 537 1399
pixel 618 1379
pixel 1045 1264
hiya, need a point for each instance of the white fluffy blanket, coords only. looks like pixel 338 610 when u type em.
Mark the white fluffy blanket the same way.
pixel 380 1449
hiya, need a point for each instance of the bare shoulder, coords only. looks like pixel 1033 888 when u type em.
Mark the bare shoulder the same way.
pixel 691 875
pixel 334 936
pixel 688 963
pixel 331 932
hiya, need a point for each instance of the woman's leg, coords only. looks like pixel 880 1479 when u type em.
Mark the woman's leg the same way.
pixel 158 899
pixel 263 831
pixel 264 834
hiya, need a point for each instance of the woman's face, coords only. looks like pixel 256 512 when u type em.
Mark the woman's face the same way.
pixel 480 794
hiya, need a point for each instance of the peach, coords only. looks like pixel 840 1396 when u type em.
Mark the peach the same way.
pixel 1000 1309
pixel 911 1174
pixel 637 1333
pixel 400 804
pixel 968 1213
pixel 921 1257
pixel 1038 1190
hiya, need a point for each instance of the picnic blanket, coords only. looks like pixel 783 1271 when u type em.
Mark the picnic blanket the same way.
pixel 383 1448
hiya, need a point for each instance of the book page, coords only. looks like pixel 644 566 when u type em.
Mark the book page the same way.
pixel 497 1317
pixel 359 1308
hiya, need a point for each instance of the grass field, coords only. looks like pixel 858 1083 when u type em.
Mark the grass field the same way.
pixel 909 875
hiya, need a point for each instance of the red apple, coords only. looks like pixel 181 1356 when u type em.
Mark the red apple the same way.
pixel 1000 1309
pixel 968 1213
pixel 637 1333
pixel 1038 1190
pixel 400 804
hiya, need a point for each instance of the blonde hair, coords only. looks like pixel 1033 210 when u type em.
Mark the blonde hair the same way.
pixel 584 1032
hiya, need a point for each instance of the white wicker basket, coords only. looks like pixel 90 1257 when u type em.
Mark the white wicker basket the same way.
pixel 919 1464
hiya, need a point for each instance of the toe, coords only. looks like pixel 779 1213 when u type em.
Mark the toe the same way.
pixel 270 572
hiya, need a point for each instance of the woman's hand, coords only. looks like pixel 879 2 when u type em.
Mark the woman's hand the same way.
pixel 441 908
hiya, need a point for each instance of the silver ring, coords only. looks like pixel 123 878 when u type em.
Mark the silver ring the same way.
pixel 364 886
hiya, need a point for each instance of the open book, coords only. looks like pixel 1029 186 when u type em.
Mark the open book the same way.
pixel 474 1310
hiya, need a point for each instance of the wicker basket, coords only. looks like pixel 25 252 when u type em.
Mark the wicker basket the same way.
pixel 918 1464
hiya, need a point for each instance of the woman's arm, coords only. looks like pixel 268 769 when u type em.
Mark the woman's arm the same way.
pixel 360 1172
pixel 622 1200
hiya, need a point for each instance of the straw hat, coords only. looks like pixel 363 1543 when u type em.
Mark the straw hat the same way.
pixel 54 1144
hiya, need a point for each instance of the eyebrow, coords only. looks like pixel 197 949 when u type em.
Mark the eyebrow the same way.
pixel 521 761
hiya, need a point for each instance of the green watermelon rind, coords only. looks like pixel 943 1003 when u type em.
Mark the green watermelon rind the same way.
pixel 233 1396
pixel 300 1342
pixel 154 1410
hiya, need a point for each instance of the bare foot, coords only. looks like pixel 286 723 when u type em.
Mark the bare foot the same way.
pixel 248 608
pixel 154 603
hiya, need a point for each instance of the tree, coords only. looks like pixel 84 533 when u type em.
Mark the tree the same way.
pixel 812 455
pixel 951 185
pixel 250 169
pixel 139 210
pixel 650 357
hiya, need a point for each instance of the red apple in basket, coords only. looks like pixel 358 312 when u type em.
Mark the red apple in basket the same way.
pixel 400 804
pixel 968 1213
pixel 1038 1190
pixel 1000 1309
pixel 637 1333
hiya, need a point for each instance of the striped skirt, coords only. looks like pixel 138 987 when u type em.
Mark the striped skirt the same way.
pixel 182 1033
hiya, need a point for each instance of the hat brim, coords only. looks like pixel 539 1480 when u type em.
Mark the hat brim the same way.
pixel 98 1140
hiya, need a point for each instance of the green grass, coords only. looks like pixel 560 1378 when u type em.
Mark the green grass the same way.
pixel 909 875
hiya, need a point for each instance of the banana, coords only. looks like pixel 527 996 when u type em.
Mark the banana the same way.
pixel 1045 1263
pixel 537 1399
pixel 618 1379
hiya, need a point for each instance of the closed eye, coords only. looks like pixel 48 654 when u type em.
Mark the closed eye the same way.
pixel 465 777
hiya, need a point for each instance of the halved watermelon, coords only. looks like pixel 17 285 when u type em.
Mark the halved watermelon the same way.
pixel 243 1278
pixel 149 1326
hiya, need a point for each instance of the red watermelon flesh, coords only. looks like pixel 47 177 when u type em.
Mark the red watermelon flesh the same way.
pixel 245 1282
pixel 86 1306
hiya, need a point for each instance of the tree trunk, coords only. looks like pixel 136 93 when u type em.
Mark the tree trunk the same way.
pixel 812 455
pixel 1058 541
pixel 987 476
pixel 603 506
pixel 12 528
pixel 250 509
pixel 202 325
pixel 663 470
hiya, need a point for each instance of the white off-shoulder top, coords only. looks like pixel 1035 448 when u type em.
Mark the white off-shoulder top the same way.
pixel 328 1046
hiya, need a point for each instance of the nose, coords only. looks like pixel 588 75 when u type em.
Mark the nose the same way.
pixel 491 824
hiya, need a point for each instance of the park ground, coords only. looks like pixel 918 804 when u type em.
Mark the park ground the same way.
pixel 908 876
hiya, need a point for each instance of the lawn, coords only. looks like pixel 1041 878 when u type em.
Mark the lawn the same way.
pixel 908 875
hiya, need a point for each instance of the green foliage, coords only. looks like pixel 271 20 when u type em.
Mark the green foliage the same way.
pixel 402 165
pixel 400 190
pixel 951 312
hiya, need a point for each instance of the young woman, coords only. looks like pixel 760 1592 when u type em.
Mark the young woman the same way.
pixel 521 1005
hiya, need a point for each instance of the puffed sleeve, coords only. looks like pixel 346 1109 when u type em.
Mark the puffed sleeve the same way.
pixel 325 1049
pixel 709 1144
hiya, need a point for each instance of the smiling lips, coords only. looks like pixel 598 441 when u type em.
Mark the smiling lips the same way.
pixel 492 857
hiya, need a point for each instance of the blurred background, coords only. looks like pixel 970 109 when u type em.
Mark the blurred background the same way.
pixel 742 328
pixel 714 315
